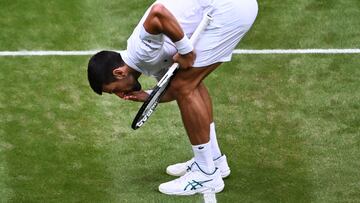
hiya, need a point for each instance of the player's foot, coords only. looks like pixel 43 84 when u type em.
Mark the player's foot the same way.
pixel 181 168
pixel 193 182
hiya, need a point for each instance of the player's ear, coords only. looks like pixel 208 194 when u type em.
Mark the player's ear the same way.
pixel 119 73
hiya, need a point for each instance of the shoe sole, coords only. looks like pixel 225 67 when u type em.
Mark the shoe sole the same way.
pixel 193 192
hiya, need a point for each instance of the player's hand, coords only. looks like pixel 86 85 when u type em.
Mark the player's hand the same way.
pixel 139 96
pixel 185 61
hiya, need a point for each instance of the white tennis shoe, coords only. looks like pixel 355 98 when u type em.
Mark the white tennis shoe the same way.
pixel 180 169
pixel 193 182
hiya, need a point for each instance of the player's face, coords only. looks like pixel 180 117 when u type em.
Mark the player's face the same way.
pixel 121 87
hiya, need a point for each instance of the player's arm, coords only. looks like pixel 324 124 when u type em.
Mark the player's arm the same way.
pixel 160 20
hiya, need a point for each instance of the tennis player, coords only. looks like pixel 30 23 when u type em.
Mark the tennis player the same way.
pixel 162 38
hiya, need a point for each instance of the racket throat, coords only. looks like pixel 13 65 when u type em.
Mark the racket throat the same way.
pixel 146 116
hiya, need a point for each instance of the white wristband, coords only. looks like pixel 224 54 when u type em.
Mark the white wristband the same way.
pixel 184 45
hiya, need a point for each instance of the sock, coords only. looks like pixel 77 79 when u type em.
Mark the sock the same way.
pixel 203 157
pixel 215 149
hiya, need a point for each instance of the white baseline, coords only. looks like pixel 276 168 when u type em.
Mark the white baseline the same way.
pixel 236 51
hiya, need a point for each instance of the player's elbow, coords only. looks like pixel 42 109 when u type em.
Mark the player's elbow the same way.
pixel 157 10
pixel 154 21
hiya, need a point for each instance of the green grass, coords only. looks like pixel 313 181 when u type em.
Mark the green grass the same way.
pixel 289 124
pixel 68 25
pixel 293 128
pixel 305 24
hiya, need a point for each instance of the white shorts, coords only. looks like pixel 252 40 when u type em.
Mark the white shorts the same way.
pixel 231 21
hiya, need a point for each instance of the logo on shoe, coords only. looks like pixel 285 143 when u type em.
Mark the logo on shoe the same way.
pixel 196 184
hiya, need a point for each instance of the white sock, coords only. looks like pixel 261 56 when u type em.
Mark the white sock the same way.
pixel 215 149
pixel 203 157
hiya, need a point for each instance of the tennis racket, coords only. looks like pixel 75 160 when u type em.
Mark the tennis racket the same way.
pixel 152 101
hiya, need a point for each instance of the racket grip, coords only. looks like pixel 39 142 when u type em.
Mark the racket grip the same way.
pixel 201 27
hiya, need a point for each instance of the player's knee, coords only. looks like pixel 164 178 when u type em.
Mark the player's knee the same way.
pixel 179 88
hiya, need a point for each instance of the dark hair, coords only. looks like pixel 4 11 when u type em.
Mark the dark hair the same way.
pixel 100 69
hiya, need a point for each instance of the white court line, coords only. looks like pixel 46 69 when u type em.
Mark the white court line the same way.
pixel 297 51
pixel 47 53
pixel 237 51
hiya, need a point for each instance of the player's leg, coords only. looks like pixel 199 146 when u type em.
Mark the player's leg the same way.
pixel 186 89
pixel 207 99
pixel 220 160
pixel 216 153
pixel 196 118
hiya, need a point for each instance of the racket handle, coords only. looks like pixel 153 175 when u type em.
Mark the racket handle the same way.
pixel 201 27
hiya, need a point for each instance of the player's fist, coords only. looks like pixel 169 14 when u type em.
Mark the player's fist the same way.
pixel 185 61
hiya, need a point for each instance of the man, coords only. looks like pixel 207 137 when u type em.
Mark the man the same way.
pixel 162 38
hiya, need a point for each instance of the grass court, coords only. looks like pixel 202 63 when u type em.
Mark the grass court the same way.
pixel 289 124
